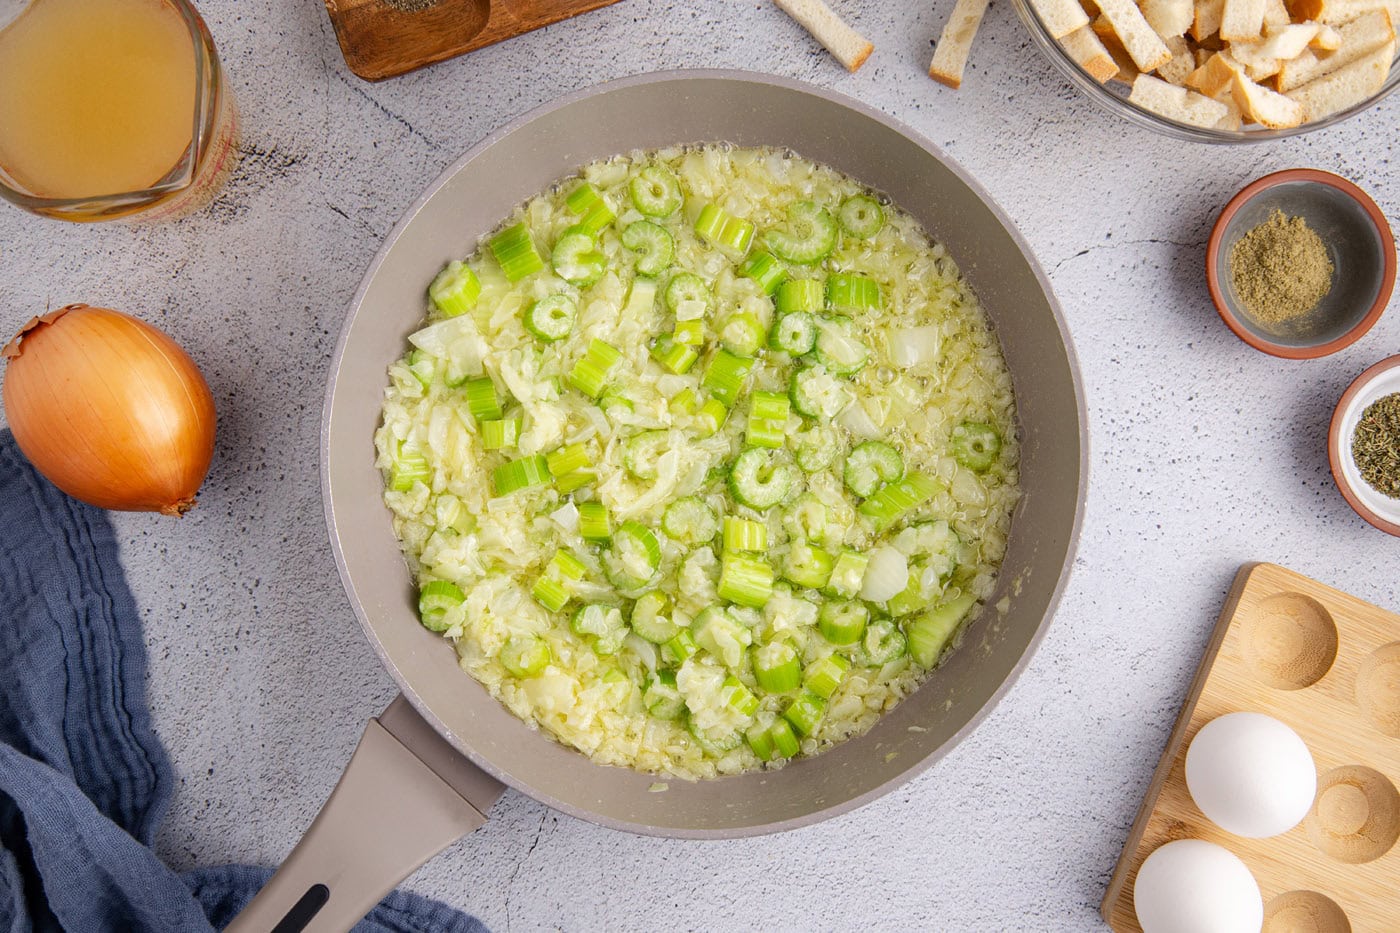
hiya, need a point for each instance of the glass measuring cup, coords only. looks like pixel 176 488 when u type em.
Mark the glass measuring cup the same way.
pixel 111 109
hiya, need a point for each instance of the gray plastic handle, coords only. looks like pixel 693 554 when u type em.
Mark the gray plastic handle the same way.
pixel 389 814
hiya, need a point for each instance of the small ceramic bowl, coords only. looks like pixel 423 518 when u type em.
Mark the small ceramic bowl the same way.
pixel 1377 382
pixel 1358 241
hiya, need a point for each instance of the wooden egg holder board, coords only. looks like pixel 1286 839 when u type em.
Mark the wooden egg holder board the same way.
pixel 381 39
pixel 1328 665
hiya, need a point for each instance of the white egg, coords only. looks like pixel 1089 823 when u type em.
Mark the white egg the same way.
pixel 1193 886
pixel 1251 775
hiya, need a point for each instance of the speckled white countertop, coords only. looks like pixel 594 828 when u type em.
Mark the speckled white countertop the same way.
pixel 1206 454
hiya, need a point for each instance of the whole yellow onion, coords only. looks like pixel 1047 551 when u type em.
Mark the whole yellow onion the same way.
pixel 110 409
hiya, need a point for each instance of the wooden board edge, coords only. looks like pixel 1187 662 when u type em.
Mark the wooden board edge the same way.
pixel 377 68
pixel 1114 892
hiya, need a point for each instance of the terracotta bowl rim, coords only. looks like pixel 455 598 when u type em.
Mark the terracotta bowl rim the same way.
pixel 1248 193
pixel 1334 445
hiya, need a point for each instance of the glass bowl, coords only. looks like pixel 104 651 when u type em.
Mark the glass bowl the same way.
pixel 1113 96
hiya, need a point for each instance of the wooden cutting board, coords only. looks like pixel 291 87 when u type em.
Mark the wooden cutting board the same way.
pixel 1328 665
pixel 384 38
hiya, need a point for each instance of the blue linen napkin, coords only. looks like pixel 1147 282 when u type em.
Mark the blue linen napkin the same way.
pixel 84 781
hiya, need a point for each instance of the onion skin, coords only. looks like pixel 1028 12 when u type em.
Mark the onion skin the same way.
pixel 110 410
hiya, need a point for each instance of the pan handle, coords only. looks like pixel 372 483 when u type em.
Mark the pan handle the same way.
pixel 402 799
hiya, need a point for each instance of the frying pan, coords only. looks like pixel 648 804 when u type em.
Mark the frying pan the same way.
pixel 431 766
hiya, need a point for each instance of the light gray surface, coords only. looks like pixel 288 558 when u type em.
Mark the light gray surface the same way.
pixel 1206 454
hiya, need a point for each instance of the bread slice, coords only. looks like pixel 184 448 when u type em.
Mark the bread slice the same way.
pixel 1347 86
pixel 1143 44
pixel 1287 42
pixel 1127 70
pixel 1232 120
pixel 1084 47
pixel 1061 17
pixel 1182 63
pixel 1207 22
pixel 850 47
pixel 1266 107
pixel 1328 39
pixel 1177 103
pixel 1337 12
pixel 1359 38
pixel 1168 18
pixel 1216 75
pixel 1256 65
pixel 954 44
pixel 1242 20
pixel 1276 14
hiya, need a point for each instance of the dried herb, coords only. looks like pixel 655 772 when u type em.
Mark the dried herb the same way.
pixel 1376 445
pixel 1280 269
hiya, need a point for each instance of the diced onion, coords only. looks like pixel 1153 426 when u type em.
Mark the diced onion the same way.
pixel 911 346
pixel 886 575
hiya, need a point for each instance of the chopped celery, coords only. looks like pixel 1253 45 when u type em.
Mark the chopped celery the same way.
pixel 745 580
pixel 882 643
pixel 818 394
pixel 567 459
pixel 824 676
pixel 800 295
pixel 673 356
pixel 691 333
pixel 687 288
pixel 525 655
pixel 515 475
pixel 657 248
pixel 651 618
pixel 481 399
pixel 805 713
pixel 434 600
pixel 766 271
pixel 776 667
pixel 551 318
pixel 930 633
pixel 976 445
pixel 515 252
pixel 871 465
pixel 724 377
pixel 456 289
pixel 555 585
pixel 847 573
pixel 852 294
pixel 724 231
pixel 742 335
pixel 794 332
pixel 889 504
pixel 655 191
pixel 744 534
pixel 690 521
pixel 587 203
pixel 842 621
pixel 590 374
pixel 808 238
pixel 498 435
pixel 577 260
pixel 861 216
pixel 632 556
pixel 409 468
pixel 807 566
pixel 594 523
pixel 761 477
